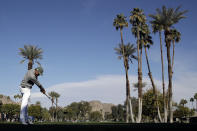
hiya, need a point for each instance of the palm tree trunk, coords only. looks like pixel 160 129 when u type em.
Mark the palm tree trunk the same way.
pixel 127 95
pixel 30 64
pixel 163 82
pixel 127 110
pixel 52 112
pixel 139 79
pixel 56 110
pixel 153 85
pixel 131 111
pixel 173 55
pixel 169 76
pixel 127 80
pixel 128 101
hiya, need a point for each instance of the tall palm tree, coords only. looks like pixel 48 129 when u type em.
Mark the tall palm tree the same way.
pixel 167 18
pixel 129 51
pixel 31 53
pixel 159 28
pixel 176 37
pixel 119 23
pixel 56 95
pixel 52 95
pixel 147 42
pixel 137 19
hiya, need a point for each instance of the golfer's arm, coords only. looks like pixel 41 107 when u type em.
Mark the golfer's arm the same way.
pixel 37 83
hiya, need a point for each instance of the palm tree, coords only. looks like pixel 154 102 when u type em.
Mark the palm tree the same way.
pixel 137 19
pixel 31 53
pixel 136 86
pixel 129 50
pixel 54 95
pixel 147 42
pixel 167 18
pixel 159 28
pixel 195 97
pixel 17 97
pixel 176 37
pixel 183 102
pixel 119 23
pixel 191 100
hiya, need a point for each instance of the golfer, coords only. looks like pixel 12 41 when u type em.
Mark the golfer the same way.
pixel 29 80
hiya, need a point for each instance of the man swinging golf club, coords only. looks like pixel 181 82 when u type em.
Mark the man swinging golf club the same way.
pixel 29 80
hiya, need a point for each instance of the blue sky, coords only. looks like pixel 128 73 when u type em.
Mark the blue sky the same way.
pixel 78 39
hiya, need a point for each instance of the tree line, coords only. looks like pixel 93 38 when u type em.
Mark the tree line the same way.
pixel 82 111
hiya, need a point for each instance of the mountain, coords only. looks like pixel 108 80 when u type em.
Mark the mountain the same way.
pixel 6 100
pixel 101 107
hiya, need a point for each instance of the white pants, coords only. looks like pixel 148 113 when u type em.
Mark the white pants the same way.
pixel 25 99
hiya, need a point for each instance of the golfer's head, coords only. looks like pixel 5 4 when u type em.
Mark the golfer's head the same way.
pixel 39 71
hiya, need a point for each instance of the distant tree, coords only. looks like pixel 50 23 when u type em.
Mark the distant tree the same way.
pixel 182 111
pixel 45 114
pixel 95 116
pixel 136 85
pixel 85 109
pixel 118 113
pixel 11 110
pixel 149 105
pixel 17 97
pixel 69 113
pixel 35 111
pixel 60 116
pixel 52 112
pixel 54 95
pixel 31 53
pixel 38 112
pixel 75 110
pixel 8 97
pixel 108 116
pixel 192 100
pixel 183 102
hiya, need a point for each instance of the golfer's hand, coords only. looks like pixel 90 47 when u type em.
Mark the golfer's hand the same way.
pixel 43 91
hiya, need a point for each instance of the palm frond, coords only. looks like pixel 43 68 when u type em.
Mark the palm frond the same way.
pixel 120 22
pixel 31 52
